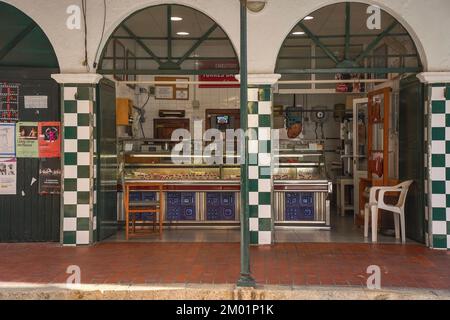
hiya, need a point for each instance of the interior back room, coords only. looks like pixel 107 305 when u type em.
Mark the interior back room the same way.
pixel 179 75
pixel 364 125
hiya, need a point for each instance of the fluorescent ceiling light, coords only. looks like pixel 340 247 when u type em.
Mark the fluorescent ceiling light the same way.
pixel 176 18
pixel 308 18
pixel 183 33
pixel 298 33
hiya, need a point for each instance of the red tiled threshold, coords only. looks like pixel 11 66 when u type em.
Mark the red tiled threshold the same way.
pixel 409 266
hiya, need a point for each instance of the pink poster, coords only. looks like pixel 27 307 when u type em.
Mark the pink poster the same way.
pixel 49 139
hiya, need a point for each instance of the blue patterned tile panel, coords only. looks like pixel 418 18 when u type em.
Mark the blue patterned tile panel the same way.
pixel 299 206
pixel 220 206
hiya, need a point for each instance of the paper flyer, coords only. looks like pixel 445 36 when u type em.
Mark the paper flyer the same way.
pixel 49 139
pixel 8 176
pixel 7 140
pixel 27 140
pixel 50 176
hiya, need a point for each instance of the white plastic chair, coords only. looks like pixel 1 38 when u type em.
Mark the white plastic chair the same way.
pixel 375 203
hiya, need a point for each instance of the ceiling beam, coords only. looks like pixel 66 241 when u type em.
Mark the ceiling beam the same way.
pixel 142 44
pixel 375 42
pixel 198 43
pixel 350 70
pixel 167 72
pixel 347 30
pixel 16 40
pixel 169 32
pixel 319 43
pixel 175 58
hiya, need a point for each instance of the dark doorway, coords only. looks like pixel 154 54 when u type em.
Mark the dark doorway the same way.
pixel 411 154
pixel 106 160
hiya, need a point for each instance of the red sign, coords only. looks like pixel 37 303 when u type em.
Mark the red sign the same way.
pixel 229 80
pixel 49 139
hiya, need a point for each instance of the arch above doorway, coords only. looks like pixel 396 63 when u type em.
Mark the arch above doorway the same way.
pixel 22 42
pixel 168 39
pixel 336 39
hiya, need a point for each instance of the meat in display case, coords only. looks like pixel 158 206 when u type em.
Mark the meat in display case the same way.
pixel 301 186
pixel 194 193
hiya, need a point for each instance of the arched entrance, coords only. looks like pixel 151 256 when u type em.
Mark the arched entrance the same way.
pixel 174 69
pixel 168 39
pixel 331 59
pixel 29 211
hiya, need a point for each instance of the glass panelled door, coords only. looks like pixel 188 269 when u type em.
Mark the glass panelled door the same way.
pixel 106 160
pixel 360 132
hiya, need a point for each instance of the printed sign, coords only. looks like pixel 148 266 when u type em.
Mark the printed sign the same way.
pixel 27 140
pixel 36 102
pixel 229 80
pixel 164 92
pixel 7 140
pixel 49 139
pixel 8 176
pixel 9 101
pixel 355 87
pixel 50 176
pixel 175 90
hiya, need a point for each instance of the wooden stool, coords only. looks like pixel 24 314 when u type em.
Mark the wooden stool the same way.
pixel 132 208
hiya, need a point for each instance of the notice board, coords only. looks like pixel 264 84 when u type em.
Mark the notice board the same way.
pixel 172 91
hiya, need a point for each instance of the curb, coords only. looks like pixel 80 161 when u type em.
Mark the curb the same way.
pixel 26 291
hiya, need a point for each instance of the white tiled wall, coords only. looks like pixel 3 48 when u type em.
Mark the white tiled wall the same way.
pixel 209 98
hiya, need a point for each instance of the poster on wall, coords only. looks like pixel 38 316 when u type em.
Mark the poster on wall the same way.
pixel 9 101
pixel 49 139
pixel 176 89
pixel 229 80
pixel 35 102
pixel 164 92
pixel 354 87
pixel 8 176
pixel 50 176
pixel 27 140
pixel 7 140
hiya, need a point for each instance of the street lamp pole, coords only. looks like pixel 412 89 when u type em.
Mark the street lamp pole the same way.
pixel 245 279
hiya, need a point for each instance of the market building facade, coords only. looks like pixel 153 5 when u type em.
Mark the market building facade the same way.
pixel 138 44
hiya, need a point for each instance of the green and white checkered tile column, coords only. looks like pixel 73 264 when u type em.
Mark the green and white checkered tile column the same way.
pixel 259 155
pixel 437 184
pixel 78 158
pixel 260 160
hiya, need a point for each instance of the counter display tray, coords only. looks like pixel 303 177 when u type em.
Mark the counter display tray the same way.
pixel 193 185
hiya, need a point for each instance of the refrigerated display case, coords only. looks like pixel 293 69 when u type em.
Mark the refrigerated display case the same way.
pixel 301 186
pixel 195 193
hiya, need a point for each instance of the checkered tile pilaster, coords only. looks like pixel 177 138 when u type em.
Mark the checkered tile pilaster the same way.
pixel 260 161
pixel 78 163
pixel 439 168
pixel 427 124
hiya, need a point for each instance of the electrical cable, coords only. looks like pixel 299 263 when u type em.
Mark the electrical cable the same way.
pixel 84 10
pixel 103 33
pixel 140 113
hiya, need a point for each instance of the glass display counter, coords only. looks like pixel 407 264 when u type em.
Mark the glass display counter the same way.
pixel 209 194
pixel 301 186
pixel 195 194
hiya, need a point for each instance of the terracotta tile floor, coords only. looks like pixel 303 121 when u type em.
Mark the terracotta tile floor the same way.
pixel 286 263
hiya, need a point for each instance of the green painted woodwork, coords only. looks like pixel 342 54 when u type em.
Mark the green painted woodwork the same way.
pixel 166 64
pixel 22 42
pixel 344 57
